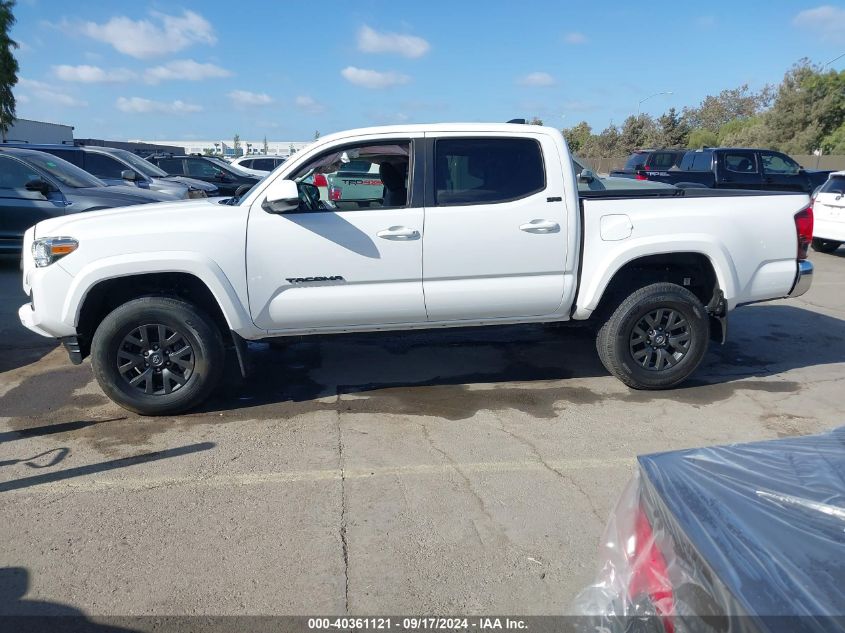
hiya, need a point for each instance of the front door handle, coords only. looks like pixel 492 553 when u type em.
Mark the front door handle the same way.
pixel 540 226
pixel 399 233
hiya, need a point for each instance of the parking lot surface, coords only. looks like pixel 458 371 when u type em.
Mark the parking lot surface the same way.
pixel 450 472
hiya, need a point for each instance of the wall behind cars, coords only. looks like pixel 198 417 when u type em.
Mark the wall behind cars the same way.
pixel 29 131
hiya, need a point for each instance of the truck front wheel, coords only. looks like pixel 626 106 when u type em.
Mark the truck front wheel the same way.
pixel 157 355
pixel 656 338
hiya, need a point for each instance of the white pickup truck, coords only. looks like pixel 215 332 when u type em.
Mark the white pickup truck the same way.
pixel 479 224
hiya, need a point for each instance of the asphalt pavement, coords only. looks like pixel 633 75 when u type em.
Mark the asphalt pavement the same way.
pixel 461 471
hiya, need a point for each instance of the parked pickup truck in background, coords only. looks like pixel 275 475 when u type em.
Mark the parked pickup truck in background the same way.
pixel 735 168
pixel 489 228
pixel 650 159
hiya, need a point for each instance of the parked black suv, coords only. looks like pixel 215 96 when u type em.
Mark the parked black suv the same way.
pixel 226 177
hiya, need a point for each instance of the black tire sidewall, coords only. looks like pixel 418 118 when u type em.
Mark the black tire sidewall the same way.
pixel 825 246
pixel 197 328
pixel 618 353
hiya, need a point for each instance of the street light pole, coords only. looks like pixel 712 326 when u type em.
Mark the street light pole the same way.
pixel 656 94
pixel 826 64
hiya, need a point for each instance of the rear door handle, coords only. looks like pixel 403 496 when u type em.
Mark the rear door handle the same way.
pixel 540 226
pixel 399 233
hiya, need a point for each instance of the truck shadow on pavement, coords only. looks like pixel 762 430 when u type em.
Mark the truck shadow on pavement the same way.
pixel 454 373
pixel 22 615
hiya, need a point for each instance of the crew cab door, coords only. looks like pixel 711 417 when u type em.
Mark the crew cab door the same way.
pixel 350 262
pixel 495 230
pixel 738 169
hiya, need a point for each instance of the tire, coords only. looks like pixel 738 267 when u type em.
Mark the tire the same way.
pixel 637 360
pixel 166 381
pixel 825 246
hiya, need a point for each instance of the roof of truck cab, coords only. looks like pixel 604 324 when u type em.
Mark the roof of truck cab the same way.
pixel 418 128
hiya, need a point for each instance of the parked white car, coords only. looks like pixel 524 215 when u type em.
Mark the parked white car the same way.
pixel 478 224
pixel 829 211
pixel 258 165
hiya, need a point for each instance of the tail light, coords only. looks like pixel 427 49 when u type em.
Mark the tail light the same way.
pixel 320 180
pixel 640 176
pixel 804 230
pixel 335 193
pixel 650 575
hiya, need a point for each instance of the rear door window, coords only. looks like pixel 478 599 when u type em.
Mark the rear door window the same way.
pixel 487 170
pixel 103 166
pixel 741 162
pixel 203 169
pixel 662 160
pixel 636 160
pixel 172 166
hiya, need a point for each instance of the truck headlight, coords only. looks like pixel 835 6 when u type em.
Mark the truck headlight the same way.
pixel 47 250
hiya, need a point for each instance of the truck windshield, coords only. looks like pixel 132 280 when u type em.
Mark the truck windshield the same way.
pixel 66 173
pixel 140 165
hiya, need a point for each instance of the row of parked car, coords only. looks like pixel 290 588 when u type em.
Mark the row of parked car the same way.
pixel 43 181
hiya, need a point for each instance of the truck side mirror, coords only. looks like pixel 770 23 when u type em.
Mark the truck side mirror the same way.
pixel 281 196
pixel 40 185
pixel 586 176
pixel 129 174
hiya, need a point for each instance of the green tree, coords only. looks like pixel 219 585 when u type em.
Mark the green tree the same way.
pixel 236 144
pixel 750 132
pixel 808 107
pixel 535 120
pixel 316 134
pixel 208 151
pixel 8 67
pixel 834 143
pixel 713 112
pixel 702 138
pixel 264 147
pixel 673 130
pixel 637 131
pixel 578 137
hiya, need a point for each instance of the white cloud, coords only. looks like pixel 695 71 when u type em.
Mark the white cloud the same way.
pixel 575 38
pixel 92 74
pixel 826 21
pixel 163 35
pixel 46 92
pixel 186 69
pixel 139 105
pixel 247 98
pixel 373 78
pixel 309 104
pixel 537 79
pixel 372 41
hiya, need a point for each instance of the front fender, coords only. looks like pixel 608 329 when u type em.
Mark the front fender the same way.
pixel 196 264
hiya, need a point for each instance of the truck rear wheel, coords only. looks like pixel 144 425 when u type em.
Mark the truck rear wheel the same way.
pixel 656 338
pixel 157 355
pixel 825 246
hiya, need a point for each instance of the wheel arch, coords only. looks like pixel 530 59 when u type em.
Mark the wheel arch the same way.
pixel 694 270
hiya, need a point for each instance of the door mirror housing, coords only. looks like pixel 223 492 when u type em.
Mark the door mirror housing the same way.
pixel 40 185
pixel 586 176
pixel 281 196
pixel 129 174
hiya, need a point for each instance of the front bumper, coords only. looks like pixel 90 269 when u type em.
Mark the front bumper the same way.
pixel 29 319
pixel 803 278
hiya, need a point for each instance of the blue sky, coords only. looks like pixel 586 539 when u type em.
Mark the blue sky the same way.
pixel 187 70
